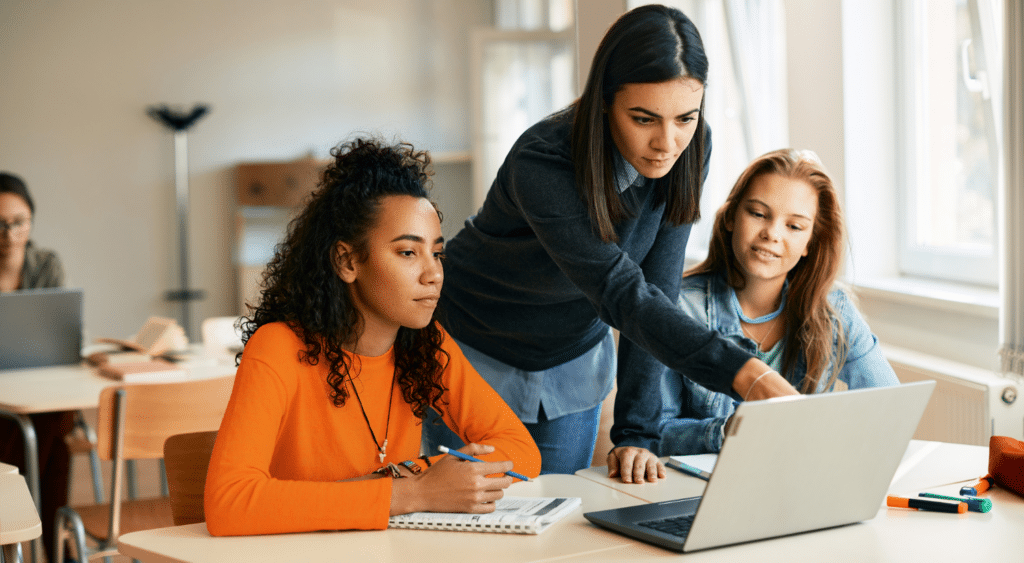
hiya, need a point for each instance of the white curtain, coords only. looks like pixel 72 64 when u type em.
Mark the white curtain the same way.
pixel 1012 312
pixel 758 48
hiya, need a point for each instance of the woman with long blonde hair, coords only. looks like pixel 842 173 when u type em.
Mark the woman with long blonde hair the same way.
pixel 769 284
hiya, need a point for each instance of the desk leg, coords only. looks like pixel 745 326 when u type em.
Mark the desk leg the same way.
pixel 28 433
pixel 12 553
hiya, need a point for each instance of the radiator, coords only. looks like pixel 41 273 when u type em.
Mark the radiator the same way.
pixel 969 404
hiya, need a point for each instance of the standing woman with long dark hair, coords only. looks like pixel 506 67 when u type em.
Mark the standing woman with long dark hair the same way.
pixel 584 230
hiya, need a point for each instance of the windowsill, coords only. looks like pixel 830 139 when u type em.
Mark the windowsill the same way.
pixel 935 295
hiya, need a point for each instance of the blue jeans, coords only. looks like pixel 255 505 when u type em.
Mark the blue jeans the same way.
pixel 566 443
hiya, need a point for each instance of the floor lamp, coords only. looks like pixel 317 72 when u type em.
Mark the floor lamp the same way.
pixel 179 122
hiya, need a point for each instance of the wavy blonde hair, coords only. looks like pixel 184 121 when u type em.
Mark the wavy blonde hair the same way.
pixel 811 322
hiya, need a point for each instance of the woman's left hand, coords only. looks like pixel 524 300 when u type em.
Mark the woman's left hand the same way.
pixel 635 465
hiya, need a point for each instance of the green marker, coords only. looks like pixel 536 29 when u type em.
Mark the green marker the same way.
pixel 974 504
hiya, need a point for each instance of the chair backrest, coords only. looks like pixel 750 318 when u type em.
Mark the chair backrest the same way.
pixel 187 458
pixel 153 412
pixel 221 335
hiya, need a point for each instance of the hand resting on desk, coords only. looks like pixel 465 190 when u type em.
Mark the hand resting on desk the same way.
pixel 635 465
pixel 453 485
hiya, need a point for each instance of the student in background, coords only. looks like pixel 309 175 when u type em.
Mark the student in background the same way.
pixel 342 358
pixel 769 284
pixel 24 266
pixel 584 230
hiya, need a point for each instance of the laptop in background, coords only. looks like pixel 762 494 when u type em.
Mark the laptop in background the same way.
pixel 40 327
pixel 789 465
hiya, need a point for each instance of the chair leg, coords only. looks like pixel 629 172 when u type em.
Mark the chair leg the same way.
pixel 68 523
pixel 164 491
pixel 129 477
pixel 94 459
pixel 11 553
pixel 97 473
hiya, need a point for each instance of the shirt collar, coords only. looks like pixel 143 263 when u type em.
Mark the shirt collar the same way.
pixel 625 175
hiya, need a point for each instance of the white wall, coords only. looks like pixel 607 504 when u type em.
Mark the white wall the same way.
pixel 283 78
pixel 814 64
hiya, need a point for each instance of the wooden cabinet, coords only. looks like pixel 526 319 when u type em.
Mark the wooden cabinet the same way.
pixel 270 193
pixel 278 184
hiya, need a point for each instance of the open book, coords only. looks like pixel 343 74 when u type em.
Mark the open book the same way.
pixel 158 336
pixel 512 515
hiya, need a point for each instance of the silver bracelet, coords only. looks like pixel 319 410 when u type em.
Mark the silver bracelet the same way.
pixel 758 378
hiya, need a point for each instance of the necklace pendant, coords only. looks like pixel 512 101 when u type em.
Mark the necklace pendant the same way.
pixel 383 450
pixel 381 456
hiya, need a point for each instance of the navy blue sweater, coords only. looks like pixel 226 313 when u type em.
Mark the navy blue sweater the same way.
pixel 528 282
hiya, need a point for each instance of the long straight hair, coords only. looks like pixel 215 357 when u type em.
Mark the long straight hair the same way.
pixel 648 44
pixel 813 330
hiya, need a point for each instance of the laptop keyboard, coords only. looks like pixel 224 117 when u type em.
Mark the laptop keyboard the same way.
pixel 677 526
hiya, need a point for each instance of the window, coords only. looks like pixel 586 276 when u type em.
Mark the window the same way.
pixel 949 88
pixel 522 70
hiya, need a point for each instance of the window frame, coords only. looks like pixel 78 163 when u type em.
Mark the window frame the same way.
pixel 971 266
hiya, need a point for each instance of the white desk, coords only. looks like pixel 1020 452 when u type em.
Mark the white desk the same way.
pixel 894 534
pixel 62 388
pixel 8 469
pixel 566 538
pixel 19 520
pixel 925 465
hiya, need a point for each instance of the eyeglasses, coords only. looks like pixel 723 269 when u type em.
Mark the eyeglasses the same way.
pixel 15 227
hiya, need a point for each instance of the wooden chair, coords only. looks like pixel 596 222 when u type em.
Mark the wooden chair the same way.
pixel 221 335
pixel 134 422
pixel 82 441
pixel 187 457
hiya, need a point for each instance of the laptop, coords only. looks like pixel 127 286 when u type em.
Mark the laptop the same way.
pixel 40 327
pixel 789 465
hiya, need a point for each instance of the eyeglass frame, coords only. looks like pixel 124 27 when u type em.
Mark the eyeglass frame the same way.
pixel 16 227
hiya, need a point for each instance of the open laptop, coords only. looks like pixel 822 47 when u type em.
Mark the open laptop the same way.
pixel 789 465
pixel 40 327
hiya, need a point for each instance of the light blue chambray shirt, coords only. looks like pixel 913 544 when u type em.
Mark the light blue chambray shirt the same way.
pixel 575 386
pixel 693 417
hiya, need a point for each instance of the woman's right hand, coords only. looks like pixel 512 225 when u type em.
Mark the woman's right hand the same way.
pixel 453 485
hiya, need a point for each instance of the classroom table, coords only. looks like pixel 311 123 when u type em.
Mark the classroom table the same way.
pixel 894 534
pixel 6 468
pixel 66 388
pixel 19 520
pixel 571 536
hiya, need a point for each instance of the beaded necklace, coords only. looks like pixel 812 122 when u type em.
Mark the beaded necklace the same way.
pixel 383 449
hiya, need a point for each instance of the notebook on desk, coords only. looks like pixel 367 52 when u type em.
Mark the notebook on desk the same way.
pixel 40 327
pixel 789 465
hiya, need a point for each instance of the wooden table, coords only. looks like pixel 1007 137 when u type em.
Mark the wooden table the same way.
pixel 569 537
pixel 19 520
pixel 65 388
pixel 893 535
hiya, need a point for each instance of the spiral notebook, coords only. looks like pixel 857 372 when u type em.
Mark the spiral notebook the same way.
pixel 512 515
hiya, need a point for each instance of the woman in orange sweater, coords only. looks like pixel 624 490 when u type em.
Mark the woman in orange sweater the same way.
pixel 342 360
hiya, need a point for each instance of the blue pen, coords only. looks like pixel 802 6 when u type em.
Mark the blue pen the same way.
pixel 460 455
pixel 688 469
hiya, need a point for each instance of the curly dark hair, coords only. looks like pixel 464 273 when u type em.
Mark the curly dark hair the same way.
pixel 301 287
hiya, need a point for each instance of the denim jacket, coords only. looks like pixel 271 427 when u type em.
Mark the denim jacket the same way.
pixel 693 417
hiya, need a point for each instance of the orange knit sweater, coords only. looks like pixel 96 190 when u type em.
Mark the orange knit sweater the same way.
pixel 283 445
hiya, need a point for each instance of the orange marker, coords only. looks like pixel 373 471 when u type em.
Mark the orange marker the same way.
pixel 983 485
pixel 923 504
